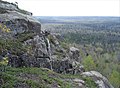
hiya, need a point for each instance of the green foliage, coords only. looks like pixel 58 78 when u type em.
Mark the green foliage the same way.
pixel 90 83
pixel 13 46
pixel 38 78
pixel 64 45
pixel 4 28
pixel 103 34
pixel 51 39
pixel 25 36
pixel 89 63
pixel 4 61
pixel 115 79
pixel 8 80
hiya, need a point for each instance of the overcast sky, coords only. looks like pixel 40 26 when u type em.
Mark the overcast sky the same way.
pixel 70 7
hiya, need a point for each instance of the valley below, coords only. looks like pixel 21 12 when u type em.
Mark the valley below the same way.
pixel 98 37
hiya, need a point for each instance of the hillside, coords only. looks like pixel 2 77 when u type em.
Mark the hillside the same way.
pixel 42 78
pixel 98 37
pixel 31 57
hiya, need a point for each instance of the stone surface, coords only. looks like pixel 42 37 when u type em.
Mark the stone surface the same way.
pixel 39 46
pixel 99 79
pixel 19 23
pixel 1 58
pixel 79 81
pixel 74 53
pixel 6 6
pixel 17 20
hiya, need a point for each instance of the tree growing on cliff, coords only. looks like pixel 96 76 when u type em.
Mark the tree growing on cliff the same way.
pixel 89 63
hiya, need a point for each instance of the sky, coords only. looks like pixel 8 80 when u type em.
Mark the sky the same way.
pixel 70 7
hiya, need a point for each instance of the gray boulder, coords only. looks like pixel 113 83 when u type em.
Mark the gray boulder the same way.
pixel 74 54
pixel 31 61
pixel 15 61
pixel 98 78
pixel 19 23
pixel 39 46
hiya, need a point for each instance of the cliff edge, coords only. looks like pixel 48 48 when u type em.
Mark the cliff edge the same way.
pixel 32 58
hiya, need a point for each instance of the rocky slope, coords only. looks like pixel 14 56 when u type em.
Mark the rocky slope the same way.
pixel 24 44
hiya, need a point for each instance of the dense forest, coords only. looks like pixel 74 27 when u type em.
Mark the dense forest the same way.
pixel 98 39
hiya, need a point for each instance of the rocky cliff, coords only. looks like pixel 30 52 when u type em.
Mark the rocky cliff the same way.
pixel 24 44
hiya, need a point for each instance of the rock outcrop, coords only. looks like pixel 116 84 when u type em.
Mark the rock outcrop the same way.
pixel 99 79
pixel 74 53
pixel 43 49
pixel 6 6
pixel 17 20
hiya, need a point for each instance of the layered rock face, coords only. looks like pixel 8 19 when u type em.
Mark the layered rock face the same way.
pixel 45 47
pixel 17 20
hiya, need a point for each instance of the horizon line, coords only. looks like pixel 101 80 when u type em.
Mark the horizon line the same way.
pixel 77 16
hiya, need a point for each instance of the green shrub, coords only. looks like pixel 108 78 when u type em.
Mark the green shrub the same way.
pixel 115 79
pixel 25 36
pixel 13 46
pixel 89 63
pixel 90 83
